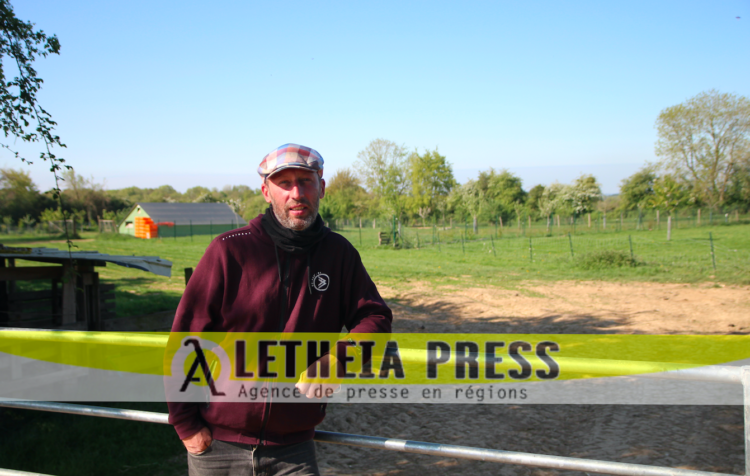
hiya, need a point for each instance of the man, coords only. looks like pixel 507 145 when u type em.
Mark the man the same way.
pixel 285 271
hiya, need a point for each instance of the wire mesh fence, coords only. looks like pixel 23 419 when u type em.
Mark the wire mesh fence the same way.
pixel 534 225
pixel 695 250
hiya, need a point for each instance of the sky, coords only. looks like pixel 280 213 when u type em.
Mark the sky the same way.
pixel 185 93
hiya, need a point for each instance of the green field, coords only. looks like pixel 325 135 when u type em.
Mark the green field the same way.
pixel 439 256
pixel 488 259
pixel 67 444
pixel 60 444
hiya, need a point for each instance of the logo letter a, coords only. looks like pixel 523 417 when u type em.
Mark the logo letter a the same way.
pixel 200 359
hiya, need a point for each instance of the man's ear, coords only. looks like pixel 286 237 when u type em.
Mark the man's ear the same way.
pixel 266 192
pixel 322 187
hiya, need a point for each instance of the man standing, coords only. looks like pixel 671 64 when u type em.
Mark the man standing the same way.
pixel 287 272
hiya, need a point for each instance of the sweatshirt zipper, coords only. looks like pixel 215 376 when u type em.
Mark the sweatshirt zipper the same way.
pixel 282 324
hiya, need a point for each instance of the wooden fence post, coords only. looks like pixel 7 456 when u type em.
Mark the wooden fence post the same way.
pixel 669 227
pixel 69 294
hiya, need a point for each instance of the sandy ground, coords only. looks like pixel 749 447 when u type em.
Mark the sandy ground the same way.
pixel 708 438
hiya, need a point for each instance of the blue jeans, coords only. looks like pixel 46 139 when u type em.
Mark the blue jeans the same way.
pixel 234 459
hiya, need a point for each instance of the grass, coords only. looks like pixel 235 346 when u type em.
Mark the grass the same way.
pixel 67 444
pixel 480 260
pixel 60 444
pixel 605 259
pixel 505 261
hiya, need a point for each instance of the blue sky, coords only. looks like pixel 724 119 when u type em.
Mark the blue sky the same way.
pixel 196 93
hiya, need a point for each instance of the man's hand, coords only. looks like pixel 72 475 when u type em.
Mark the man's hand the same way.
pixel 199 442
pixel 317 387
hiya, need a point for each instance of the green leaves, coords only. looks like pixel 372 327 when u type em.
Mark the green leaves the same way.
pixel 704 141
pixel 19 109
pixel 383 167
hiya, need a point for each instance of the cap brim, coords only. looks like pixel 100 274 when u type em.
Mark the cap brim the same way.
pixel 293 166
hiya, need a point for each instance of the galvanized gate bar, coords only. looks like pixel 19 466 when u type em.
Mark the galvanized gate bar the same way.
pixel 118 413
pixel 509 457
pixel 405 446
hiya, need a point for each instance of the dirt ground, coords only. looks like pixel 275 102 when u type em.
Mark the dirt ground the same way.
pixel 707 438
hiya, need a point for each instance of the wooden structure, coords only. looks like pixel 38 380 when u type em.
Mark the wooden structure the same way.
pixel 386 238
pixel 75 299
pixel 107 226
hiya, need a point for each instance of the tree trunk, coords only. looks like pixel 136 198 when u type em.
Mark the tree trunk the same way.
pixel 475 225
pixel 669 227
pixel 548 220
pixel 589 220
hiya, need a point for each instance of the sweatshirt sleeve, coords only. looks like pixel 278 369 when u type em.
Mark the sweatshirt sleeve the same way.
pixel 199 310
pixel 370 314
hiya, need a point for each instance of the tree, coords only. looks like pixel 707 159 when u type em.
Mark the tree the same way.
pixel 431 181
pixel 19 195
pixel 739 190
pixel 637 189
pixel 669 194
pixel 704 140
pixel 133 195
pixel 473 199
pixel 535 194
pixel 345 197
pixel 503 191
pixel 21 115
pixel 85 194
pixel 552 199
pixel 383 168
pixel 583 194
pixel 199 194
pixel 609 204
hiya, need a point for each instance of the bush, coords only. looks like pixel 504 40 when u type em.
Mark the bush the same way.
pixel 605 259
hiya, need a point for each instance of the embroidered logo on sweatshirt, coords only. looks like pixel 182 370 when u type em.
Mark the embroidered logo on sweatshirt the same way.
pixel 320 281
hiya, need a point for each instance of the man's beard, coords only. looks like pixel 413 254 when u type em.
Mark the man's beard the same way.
pixel 296 224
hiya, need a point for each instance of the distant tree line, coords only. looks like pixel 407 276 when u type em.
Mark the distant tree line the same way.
pixel 389 182
pixel 704 161
pixel 87 201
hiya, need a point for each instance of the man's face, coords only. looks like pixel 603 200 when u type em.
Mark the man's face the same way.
pixel 294 195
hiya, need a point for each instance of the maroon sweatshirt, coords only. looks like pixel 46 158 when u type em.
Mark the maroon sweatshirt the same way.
pixel 236 288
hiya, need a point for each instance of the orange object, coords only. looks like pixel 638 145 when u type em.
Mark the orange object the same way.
pixel 146 228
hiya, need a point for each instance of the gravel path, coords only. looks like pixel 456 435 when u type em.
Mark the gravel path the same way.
pixel 707 438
